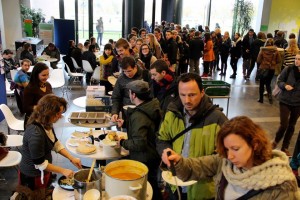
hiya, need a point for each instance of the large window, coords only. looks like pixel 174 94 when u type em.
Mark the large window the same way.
pixel 49 8
pixel 194 13
pixel 148 11
pixel 69 9
pixel 83 21
pixel 111 13
pixel 222 13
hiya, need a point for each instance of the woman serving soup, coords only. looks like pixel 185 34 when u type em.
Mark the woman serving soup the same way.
pixel 246 167
pixel 38 142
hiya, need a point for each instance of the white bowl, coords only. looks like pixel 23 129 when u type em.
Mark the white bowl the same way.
pixel 92 194
pixel 122 197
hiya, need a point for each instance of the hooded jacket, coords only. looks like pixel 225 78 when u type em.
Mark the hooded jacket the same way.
pixel 120 96
pixel 289 76
pixel 202 141
pixel 274 176
pixel 143 123
pixel 268 57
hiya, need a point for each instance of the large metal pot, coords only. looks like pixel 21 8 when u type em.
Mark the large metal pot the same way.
pixel 81 186
pixel 126 177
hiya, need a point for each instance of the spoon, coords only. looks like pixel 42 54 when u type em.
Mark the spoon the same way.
pixel 91 170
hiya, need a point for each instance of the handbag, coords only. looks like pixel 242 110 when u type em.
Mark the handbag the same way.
pixel 276 91
pixel 264 73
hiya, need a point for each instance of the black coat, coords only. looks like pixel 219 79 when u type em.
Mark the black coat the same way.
pixel 196 48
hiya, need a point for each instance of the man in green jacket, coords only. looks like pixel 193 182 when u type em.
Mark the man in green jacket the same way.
pixel 193 108
pixel 142 126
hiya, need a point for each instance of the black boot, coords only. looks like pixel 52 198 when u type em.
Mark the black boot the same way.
pixel 260 100
pixel 270 99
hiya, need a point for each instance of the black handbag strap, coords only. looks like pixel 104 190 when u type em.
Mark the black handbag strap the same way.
pixel 249 194
pixel 222 185
pixel 212 108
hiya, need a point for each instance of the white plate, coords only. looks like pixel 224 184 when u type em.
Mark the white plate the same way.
pixel 78 134
pixel 167 176
pixel 128 106
pixel 73 142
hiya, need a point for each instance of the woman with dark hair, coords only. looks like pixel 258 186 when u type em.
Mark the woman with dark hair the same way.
pixel 38 142
pixel 106 70
pixel 36 88
pixel 267 60
pixel 235 53
pixel 224 52
pixel 245 167
pixel 146 57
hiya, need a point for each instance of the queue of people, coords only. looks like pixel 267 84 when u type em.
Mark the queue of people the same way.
pixel 230 159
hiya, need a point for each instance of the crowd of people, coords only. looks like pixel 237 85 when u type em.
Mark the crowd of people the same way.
pixel 173 120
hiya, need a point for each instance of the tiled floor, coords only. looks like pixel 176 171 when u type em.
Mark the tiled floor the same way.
pixel 244 94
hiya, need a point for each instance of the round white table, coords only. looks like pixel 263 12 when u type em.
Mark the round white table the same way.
pixel 46 58
pixel 80 102
pixel 14 141
pixel 99 155
pixel 61 194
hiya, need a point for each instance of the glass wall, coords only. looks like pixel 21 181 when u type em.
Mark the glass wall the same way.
pixel 111 13
pixel 194 13
pixel 222 13
pixel 69 9
pixel 50 9
pixel 83 21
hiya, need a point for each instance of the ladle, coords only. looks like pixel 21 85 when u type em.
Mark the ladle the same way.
pixel 91 170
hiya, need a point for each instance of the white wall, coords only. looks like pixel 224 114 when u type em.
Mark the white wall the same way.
pixel 10 22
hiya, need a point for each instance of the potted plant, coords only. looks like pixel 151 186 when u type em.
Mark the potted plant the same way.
pixel 34 15
pixel 242 17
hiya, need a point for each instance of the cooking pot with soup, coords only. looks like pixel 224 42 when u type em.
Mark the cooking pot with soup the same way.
pixel 126 177
pixel 81 186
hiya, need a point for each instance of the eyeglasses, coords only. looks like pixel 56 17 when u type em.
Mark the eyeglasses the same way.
pixel 145 48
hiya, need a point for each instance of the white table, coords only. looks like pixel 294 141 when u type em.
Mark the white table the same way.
pixel 61 194
pixel 99 155
pixel 46 58
pixel 30 69
pixel 14 141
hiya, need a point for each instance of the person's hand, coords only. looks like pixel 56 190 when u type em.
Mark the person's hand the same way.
pixel 174 157
pixel 120 122
pixel 68 173
pixel 44 53
pixel 114 118
pixel 289 87
pixel 76 162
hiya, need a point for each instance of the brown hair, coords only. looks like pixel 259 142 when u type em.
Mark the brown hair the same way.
pixel 122 43
pixel 252 133
pixel 47 107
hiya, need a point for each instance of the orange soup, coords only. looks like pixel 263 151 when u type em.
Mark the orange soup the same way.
pixel 126 176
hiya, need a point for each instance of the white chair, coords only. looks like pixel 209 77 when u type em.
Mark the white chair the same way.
pixel 87 66
pixel 96 74
pixel 13 73
pixel 12 122
pixel 57 80
pixel 12 159
pixel 9 92
pixel 73 76
pixel 48 64
pixel 78 69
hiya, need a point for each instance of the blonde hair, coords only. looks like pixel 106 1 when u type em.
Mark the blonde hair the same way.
pixel 292 47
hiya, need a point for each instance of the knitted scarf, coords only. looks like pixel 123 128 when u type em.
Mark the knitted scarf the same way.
pixel 166 81
pixel 272 172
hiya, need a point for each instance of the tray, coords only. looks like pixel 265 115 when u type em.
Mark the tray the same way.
pixel 87 117
pixel 216 88
pixel 103 108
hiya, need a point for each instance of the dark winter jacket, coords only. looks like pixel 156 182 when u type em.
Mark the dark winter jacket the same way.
pixel 289 76
pixel 143 123
pixel 196 48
